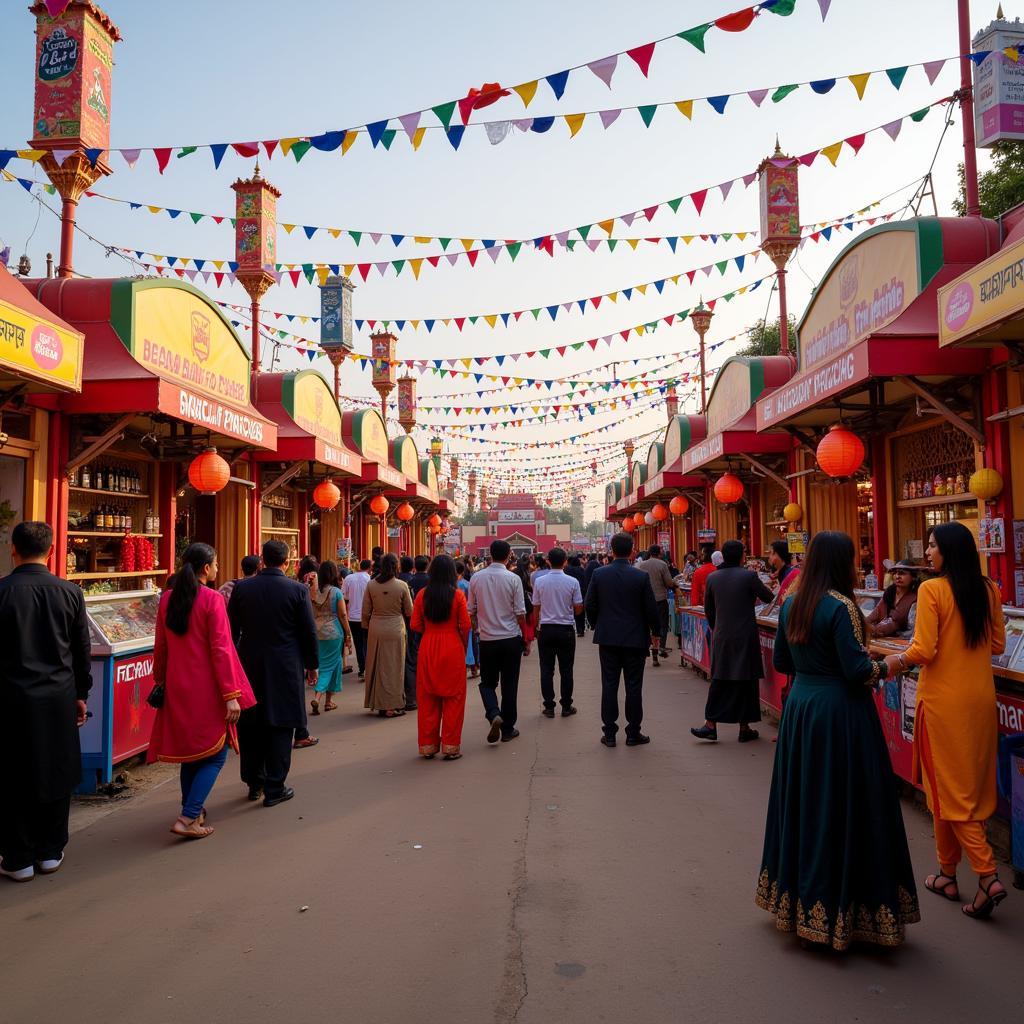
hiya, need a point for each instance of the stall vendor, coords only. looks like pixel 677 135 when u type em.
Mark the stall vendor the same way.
pixel 893 615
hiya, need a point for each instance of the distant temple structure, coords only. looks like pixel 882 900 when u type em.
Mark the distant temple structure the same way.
pixel 519 519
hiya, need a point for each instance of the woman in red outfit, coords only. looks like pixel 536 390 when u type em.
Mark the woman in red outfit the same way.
pixel 440 614
pixel 205 687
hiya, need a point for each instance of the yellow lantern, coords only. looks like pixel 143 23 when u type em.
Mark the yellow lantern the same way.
pixel 985 484
pixel 792 513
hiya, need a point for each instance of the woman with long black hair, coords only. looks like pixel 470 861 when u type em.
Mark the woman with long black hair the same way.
pixel 204 686
pixel 440 614
pixel 836 868
pixel 959 627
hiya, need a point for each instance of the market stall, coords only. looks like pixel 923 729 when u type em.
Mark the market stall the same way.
pixel 40 357
pixel 310 452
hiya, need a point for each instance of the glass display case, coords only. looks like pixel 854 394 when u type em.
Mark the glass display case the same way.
pixel 119 623
pixel 867 599
pixel 1013 657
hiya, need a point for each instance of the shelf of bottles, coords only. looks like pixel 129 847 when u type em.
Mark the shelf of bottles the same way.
pixel 113 523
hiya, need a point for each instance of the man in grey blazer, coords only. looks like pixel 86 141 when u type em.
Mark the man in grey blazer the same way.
pixel 736 662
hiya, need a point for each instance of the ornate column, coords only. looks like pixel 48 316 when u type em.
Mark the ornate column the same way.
pixel 336 324
pixel 780 224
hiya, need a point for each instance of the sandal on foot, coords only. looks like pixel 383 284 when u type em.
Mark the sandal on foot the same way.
pixel 314 707
pixel 330 706
pixel 452 757
pixel 992 900
pixel 935 884
pixel 190 829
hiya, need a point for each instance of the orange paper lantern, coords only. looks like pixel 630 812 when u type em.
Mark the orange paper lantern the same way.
pixel 405 512
pixel 379 504
pixel 840 452
pixel 435 528
pixel 208 473
pixel 434 520
pixel 728 488
pixel 628 525
pixel 326 495
pixel 638 519
pixel 679 505
pixel 659 512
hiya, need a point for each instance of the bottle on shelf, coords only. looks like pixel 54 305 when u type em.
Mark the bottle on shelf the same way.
pixel 913 489
pixel 906 489
pixel 86 477
pixel 939 485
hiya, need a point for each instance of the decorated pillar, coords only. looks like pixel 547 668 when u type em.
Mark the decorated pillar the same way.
pixel 671 402
pixel 629 448
pixel 382 351
pixel 74 61
pixel 255 250
pixel 483 499
pixel 780 224
pixel 471 499
pixel 336 324
pixel 701 318
pixel 407 404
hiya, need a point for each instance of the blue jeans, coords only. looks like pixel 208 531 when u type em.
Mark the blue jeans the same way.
pixel 197 779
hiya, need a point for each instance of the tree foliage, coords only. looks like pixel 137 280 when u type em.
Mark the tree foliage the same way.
pixel 764 338
pixel 1000 188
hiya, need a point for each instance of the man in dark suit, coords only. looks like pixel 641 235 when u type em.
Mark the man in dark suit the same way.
pixel 736 662
pixel 273 627
pixel 44 683
pixel 416 582
pixel 620 605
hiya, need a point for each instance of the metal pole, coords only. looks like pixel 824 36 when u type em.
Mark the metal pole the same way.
pixel 67 236
pixel 967 112
pixel 703 383
pixel 255 313
pixel 783 313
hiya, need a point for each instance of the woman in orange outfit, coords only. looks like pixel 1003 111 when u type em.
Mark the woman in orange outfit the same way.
pixel 959 627
pixel 440 614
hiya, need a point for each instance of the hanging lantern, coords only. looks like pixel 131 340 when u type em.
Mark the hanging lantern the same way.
pixel 659 512
pixel 840 452
pixel 649 519
pixel 985 484
pixel 326 495
pixel 434 528
pixel 208 473
pixel 628 525
pixel 379 504
pixel 679 505
pixel 405 512
pixel 434 520
pixel 792 513
pixel 638 520
pixel 728 488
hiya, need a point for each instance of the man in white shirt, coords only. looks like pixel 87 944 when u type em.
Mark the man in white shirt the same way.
pixel 498 606
pixel 557 600
pixel 353 588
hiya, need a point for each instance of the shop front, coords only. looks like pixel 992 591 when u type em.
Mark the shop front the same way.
pixel 155 453
pixel 411 506
pixel 294 506
pixel 40 358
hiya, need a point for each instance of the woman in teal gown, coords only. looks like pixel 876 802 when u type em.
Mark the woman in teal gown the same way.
pixel 836 868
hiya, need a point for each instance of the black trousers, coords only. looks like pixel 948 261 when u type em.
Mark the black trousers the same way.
pixel 663 619
pixel 629 663
pixel 412 653
pixel 500 662
pixel 556 642
pixel 359 642
pixel 581 623
pixel 31 830
pixel 266 751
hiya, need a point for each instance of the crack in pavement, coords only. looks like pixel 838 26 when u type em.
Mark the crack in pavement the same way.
pixel 514 984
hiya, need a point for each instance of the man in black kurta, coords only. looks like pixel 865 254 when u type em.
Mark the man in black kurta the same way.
pixel 736 661
pixel 273 627
pixel 44 684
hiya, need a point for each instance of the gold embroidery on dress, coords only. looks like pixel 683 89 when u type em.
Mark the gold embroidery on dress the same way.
pixel 857 621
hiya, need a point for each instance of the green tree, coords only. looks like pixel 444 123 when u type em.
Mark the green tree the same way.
pixel 764 338
pixel 558 515
pixel 1000 188
pixel 475 518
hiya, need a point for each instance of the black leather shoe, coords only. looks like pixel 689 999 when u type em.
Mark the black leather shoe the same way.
pixel 286 794
pixel 638 740
pixel 494 734
pixel 505 737
pixel 746 735
pixel 255 792
pixel 569 711
pixel 704 733
pixel 608 741
pixel 548 712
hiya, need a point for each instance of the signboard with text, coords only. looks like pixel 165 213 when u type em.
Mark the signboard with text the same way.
pixel 32 347
pixel 986 295
pixel 307 398
pixel 999 85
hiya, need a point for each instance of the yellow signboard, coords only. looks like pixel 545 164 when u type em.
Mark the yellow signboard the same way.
pixel 993 291
pixel 404 457
pixel 364 431
pixel 865 290
pixel 32 347
pixel 731 398
pixel 177 334
pixel 308 400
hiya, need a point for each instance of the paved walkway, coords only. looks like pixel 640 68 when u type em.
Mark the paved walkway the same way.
pixel 541 881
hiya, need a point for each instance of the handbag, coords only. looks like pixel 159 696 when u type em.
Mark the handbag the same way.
pixel 156 696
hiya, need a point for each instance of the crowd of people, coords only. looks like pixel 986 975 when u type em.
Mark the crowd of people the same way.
pixel 232 666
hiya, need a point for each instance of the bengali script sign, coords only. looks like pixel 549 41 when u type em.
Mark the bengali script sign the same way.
pixel 34 348
pixel 991 292
pixel 810 388
pixel 870 286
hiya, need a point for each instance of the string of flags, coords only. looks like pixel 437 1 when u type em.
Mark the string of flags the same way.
pixel 409 124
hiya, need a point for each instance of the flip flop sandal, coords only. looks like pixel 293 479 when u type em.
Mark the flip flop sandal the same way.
pixel 190 830
pixel 330 706
pixel 314 707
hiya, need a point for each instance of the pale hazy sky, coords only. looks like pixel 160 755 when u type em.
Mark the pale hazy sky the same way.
pixel 232 70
